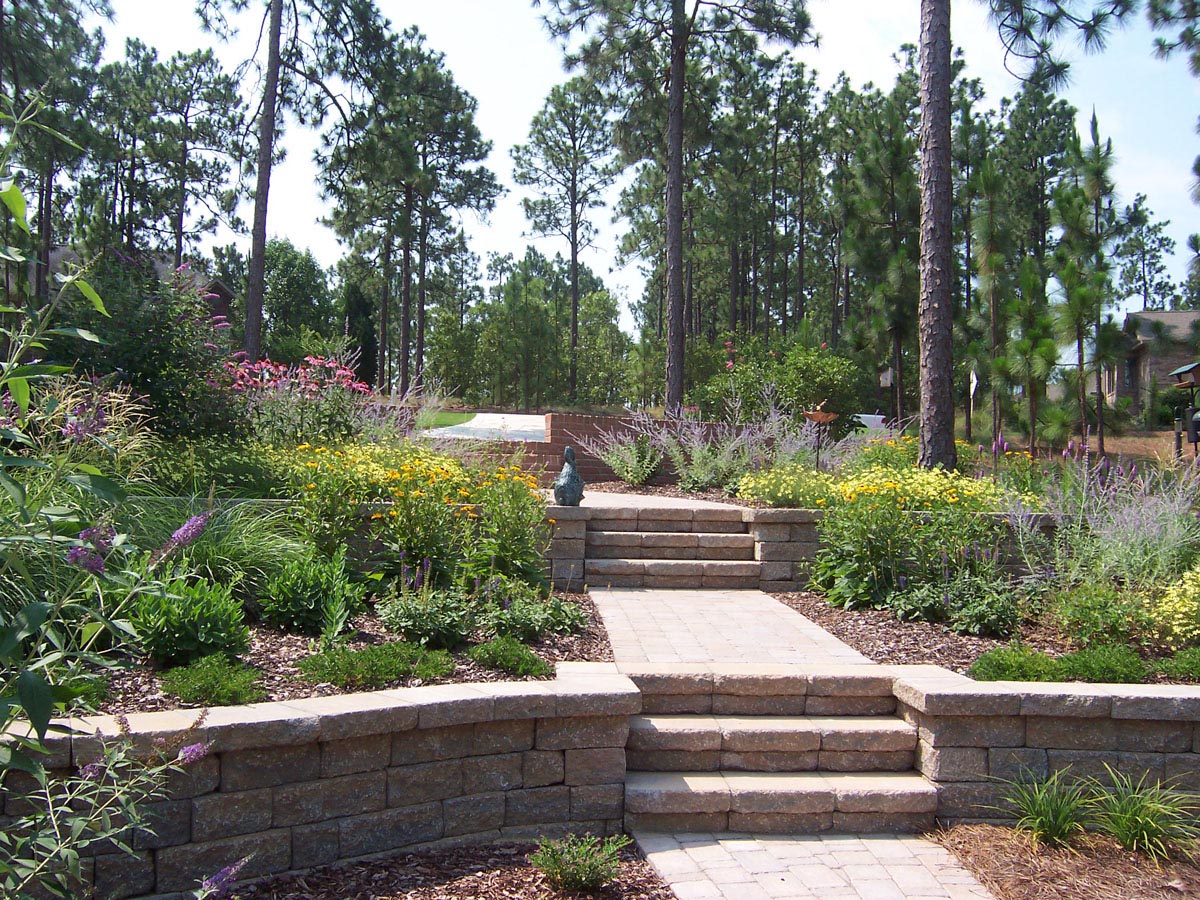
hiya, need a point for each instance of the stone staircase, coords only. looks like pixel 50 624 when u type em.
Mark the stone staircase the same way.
pixel 781 750
pixel 670 548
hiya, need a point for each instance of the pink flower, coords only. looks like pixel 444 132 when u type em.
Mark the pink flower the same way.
pixel 729 364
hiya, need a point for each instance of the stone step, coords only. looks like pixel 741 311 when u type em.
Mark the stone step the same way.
pixel 779 803
pixel 672 573
pixel 691 545
pixel 726 520
pixel 756 690
pixel 663 743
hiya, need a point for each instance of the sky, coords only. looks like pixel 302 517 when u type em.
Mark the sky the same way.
pixel 499 51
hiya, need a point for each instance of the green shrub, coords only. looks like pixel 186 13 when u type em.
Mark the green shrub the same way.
pixel 1146 817
pixel 214 681
pixel 1184 665
pixel 529 617
pixel 1099 613
pixel 438 619
pixel 984 607
pixel 376 666
pixel 227 467
pixel 633 458
pixel 309 595
pixel 509 655
pixel 1115 663
pixel 1053 810
pixel 577 863
pixel 185 619
pixel 1013 663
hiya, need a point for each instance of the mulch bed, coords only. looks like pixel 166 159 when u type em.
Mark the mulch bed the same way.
pixel 715 495
pixel 1094 868
pixel 880 636
pixel 495 872
pixel 275 654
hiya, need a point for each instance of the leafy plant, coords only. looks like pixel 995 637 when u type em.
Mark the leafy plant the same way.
pixel 307 594
pixel 1053 810
pixel 434 618
pixel 631 454
pixel 375 666
pixel 1015 662
pixel 509 655
pixel 522 612
pixel 1145 817
pixel 186 619
pixel 1183 665
pixel 214 681
pixel 1099 612
pixel 1102 663
pixel 580 863
pixel 1175 615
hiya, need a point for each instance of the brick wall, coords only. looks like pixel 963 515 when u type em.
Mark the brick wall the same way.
pixel 307 782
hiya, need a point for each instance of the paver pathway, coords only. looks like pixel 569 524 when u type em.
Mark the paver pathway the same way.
pixel 672 626
pixel 664 626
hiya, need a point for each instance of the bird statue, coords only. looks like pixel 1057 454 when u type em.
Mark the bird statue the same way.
pixel 568 486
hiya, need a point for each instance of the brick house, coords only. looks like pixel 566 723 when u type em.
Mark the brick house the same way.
pixel 1158 343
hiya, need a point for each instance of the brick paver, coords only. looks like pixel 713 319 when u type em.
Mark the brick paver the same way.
pixel 661 626
pixel 829 867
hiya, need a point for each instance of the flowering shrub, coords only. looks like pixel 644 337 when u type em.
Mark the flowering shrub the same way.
pixel 793 486
pixel 1175 615
pixel 320 400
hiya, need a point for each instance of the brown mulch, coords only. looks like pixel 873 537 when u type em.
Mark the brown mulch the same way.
pixel 1093 868
pixel 880 636
pixel 275 654
pixel 496 872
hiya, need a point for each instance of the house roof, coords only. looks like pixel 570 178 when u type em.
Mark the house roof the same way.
pixel 1178 326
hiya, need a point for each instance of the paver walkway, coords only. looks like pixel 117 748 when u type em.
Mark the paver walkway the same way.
pixel 672 626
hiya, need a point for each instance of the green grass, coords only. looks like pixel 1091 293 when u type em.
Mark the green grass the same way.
pixel 445 419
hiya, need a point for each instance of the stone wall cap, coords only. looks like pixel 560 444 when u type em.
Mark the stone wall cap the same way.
pixel 568 513
pixel 1172 702
pixel 782 516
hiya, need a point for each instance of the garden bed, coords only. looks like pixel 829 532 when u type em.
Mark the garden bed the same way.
pixel 882 638
pixel 275 655
pixel 497 872
pixel 1093 868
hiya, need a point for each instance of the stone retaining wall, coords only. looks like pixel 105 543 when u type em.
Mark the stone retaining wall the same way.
pixel 308 782
pixel 974 736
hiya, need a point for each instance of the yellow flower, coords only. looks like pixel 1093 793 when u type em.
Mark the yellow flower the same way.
pixel 377 515
pixel 310 486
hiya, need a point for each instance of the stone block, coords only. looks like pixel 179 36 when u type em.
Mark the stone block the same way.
pixel 565 549
pixel 672 760
pixel 353 755
pixel 597 801
pixel 119 875
pixel 259 726
pixel 849 681
pixel 974 731
pixel 391 829
pixel 1083 701
pixel 759 705
pixel 784 551
pixel 430 744
pixel 667 704
pixel 767 533
pixel 168 824
pixel 680 823
pixel 595 696
pixel 503 737
pixel 567 573
pixel 780 823
pixel 542 767
pixel 582 732
pixel 330 798
pixel 883 823
pixel 570 531
pixel 484 774
pixel 785 516
pixel 413 785
pixel 972 800
pixel 776 571
pixel 346 716
pixel 443 705
pixel 474 814
pixel 315 845
pixel 181 868
pixel 1017 763
pixel 201 777
pixel 781 587
pixel 952 763
pixel 1167 702
pixel 243 770
pixel 865 760
pixel 849 706
pixel 595 766
pixel 1183 770
pixel 225 814
pixel 536 806
pixel 885 793
pixel 806 533
pixel 1061 733
pixel 1095 764
pixel 727 681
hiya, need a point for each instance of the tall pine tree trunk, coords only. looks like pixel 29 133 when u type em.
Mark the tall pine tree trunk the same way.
pixel 256 276
pixel 674 211
pixel 382 381
pixel 573 375
pixel 406 290
pixel 935 308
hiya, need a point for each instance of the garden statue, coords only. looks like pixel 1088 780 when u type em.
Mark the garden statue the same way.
pixel 568 486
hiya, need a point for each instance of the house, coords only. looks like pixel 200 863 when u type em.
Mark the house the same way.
pixel 1158 342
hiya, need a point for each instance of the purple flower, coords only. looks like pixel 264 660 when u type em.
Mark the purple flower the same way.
pixel 189 531
pixel 99 536
pixel 193 753
pixel 218 885
pixel 92 771
pixel 86 559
